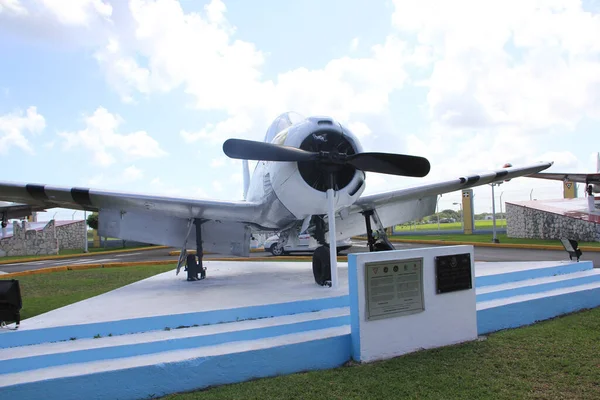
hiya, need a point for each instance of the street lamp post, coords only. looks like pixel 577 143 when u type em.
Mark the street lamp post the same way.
pixel 494 238
pixel 462 217
pixel 437 211
pixel 501 193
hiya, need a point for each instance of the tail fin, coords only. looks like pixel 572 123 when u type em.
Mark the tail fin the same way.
pixel 246 175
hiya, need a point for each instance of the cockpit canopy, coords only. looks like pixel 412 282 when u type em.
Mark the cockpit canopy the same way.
pixel 282 122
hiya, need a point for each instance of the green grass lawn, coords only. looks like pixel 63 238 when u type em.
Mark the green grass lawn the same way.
pixel 44 292
pixel 479 224
pixel 558 359
pixel 487 238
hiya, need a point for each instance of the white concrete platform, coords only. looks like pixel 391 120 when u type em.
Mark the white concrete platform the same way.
pixel 229 285
pixel 233 291
pixel 246 320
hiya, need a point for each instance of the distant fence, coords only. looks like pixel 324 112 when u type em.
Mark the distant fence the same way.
pixel 117 243
pixel 446 232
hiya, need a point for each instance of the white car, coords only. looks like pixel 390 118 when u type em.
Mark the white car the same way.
pixel 304 244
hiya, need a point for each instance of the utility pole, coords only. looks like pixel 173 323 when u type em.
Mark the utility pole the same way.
pixel 85 238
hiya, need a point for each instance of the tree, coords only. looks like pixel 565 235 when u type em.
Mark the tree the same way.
pixel 92 221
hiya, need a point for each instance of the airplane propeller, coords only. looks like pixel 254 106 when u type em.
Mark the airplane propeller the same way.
pixel 383 163
pixel 330 161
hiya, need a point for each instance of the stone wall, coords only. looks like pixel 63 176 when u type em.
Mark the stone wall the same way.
pixel 71 235
pixel 25 242
pixel 524 222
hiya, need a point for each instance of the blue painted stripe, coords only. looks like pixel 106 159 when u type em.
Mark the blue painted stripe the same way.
pixel 137 325
pixel 530 311
pixel 131 350
pixel 354 312
pixel 165 378
pixel 515 276
pixel 537 288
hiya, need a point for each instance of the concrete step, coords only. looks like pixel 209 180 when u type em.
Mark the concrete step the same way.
pixel 537 285
pixel 158 374
pixel 31 333
pixel 524 309
pixel 498 273
pixel 24 358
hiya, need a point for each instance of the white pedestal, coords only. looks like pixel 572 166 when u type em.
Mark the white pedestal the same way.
pixel 398 323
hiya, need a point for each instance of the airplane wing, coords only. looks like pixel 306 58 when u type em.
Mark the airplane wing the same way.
pixel 147 218
pixel 46 196
pixel 15 210
pixel 403 205
pixel 573 177
pixel 434 189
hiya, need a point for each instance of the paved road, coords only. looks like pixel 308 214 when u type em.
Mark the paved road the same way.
pixel 481 254
pixel 145 255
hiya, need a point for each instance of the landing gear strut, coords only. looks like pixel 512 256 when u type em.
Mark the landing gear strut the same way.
pixel 382 243
pixel 193 267
pixel 321 262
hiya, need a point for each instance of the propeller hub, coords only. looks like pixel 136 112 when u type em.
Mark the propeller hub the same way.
pixel 333 149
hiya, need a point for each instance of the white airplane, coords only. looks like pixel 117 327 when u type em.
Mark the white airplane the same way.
pixel 591 180
pixel 310 176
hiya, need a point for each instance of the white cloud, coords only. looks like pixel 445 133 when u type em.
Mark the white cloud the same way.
pixel 218 162
pixel 200 53
pixel 59 23
pixel 78 12
pixel 101 138
pixel 117 180
pixel 238 125
pixel 13 7
pixel 132 173
pixel 497 77
pixel 506 79
pixel 96 180
pixel 13 127
pixel 217 186
pixel 360 129
pixel 525 64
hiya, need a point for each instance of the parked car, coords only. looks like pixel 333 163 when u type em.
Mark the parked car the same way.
pixel 304 244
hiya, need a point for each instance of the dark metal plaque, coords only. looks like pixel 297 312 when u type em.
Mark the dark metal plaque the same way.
pixel 453 273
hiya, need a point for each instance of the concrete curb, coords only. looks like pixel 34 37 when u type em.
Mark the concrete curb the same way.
pixel 498 245
pixel 62 268
pixel 58 257
pixel 178 252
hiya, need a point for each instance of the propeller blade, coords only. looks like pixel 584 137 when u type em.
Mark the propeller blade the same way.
pixel 261 151
pixel 393 164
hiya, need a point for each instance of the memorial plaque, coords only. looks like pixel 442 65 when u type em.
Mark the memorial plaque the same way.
pixel 453 273
pixel 393 288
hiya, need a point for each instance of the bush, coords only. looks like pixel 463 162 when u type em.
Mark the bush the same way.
pixel 92 221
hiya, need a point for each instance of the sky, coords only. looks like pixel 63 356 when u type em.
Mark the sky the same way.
pixel 139 95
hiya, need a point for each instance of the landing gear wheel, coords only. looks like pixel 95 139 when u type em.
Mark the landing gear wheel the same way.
pixel 322 266
pixel 383 246
pixel 276 250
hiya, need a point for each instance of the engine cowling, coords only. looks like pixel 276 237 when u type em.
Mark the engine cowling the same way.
pixel 302 186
